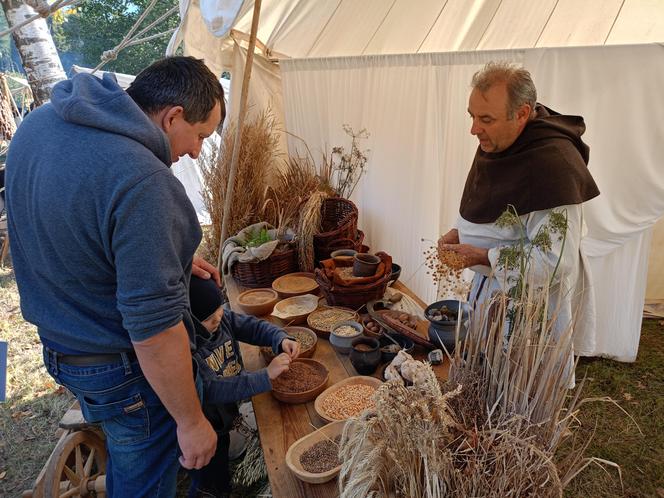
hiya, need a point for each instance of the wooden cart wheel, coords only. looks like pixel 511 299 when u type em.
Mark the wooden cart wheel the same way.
pixel 76 463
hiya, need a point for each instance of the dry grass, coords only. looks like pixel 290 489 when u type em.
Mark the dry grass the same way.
pixel 28 419
pixel 258 154
pixel 497 437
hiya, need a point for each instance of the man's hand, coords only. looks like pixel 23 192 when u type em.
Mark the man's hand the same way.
pixel 278 366
pixel 451 237
pixel 203 269
pixel 197 443
pixel 291 348
pixel 472 255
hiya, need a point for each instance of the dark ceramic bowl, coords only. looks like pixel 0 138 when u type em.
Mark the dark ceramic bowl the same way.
pixel 442 332
pixel 396 273
pixel 407 346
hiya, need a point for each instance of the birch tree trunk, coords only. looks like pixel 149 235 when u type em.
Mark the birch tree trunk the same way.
pixel 41 61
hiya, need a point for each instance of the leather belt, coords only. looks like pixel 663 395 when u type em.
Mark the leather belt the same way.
pixel 88 360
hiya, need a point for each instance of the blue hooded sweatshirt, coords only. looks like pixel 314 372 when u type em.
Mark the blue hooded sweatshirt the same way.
pixel 102 234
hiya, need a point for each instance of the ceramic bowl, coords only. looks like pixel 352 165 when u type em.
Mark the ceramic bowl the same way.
pixel 294 310
pixel 257 302
pixel 343 255
pixel 396 273
pixel 365 265
pixel 343 344
pixel 407 345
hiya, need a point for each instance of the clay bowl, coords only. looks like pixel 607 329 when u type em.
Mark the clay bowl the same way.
pixel 295 284
pixel 365 265
pixel 329 431
pixel 295 310
pixel 396 273
pixel 313 320
pixel 343 343
pixel 257 302
pixel 304 396
pixel 268 355
pixel 358 379
pixel 343 256
pixel 407 345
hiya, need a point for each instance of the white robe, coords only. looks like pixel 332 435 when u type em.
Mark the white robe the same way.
pixel 570 292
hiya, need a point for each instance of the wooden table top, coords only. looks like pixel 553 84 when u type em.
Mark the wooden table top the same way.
pixel 281 424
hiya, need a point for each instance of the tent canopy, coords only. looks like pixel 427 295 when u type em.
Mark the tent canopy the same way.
pixel 402 70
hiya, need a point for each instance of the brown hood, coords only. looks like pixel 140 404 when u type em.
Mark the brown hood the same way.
pixel 545 167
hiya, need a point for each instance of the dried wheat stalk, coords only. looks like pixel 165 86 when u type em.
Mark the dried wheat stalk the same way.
pixel 258 152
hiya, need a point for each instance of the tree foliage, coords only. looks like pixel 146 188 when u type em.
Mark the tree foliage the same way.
pixel 83 33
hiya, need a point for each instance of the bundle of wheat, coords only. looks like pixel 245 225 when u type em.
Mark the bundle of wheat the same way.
pixel 494 428
pixel 258 152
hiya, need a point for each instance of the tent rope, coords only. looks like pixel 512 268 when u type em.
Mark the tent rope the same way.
pixel 132 37
pixel 43 11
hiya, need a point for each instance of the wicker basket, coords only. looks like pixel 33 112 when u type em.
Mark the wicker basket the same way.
pixel 354 296
pixel 338 221
pixel 256 274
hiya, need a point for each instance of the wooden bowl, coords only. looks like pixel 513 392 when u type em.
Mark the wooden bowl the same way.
pixel 368 332
pixel 304 396
pixel 295 310
pixel 257 302
pixel 268 355
pixel 358 379
pixel 295 284
pixel 324 332
pixel 329 431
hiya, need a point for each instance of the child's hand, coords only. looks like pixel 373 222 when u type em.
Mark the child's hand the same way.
pixel 278 366
pixel 291 348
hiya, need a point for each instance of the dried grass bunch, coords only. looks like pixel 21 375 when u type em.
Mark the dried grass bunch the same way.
pixel 494 428
pixel 258 153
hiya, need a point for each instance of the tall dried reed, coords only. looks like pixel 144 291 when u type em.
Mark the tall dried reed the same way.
pixel 494 428
pixel 258 153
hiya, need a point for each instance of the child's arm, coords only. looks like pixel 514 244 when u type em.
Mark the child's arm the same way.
pixel 249 329
pixel 230 389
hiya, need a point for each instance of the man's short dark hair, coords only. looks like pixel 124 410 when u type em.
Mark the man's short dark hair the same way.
pixel 183 81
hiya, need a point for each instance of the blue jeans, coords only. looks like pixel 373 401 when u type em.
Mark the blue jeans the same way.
pixel 140 434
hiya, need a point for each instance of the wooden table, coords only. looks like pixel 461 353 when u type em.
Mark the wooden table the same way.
pixel 281 424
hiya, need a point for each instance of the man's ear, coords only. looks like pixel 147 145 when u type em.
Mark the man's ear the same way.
pixel 171 115
pixel 523 114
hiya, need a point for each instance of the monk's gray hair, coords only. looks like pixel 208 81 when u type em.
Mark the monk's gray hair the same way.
pixel 520 87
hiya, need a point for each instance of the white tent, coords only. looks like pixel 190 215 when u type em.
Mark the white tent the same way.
pixel 401 69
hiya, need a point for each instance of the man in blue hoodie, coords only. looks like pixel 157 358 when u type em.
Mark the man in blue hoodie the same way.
pixel 103 239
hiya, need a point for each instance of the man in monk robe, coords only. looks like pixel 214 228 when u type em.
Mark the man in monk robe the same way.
pixel 532 158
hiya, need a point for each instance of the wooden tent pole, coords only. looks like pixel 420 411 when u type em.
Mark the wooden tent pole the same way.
pixel 238 133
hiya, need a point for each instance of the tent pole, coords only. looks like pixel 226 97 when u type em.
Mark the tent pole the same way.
pixel 238 133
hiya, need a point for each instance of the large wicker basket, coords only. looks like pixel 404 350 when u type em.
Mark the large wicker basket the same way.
pixel 338 222
pixel 256 274
pixel 355 296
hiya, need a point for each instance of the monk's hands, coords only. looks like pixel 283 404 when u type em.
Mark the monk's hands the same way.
pixel 291 348
pixel 278 365
pixel 203 269
pixel 451 237
pixel 472 256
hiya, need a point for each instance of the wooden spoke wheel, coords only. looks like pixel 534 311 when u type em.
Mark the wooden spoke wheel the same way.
pixel 77 463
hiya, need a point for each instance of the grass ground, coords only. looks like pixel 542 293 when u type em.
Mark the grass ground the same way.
pixel 34 405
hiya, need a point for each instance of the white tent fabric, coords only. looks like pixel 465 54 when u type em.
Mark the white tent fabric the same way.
pixel 414 107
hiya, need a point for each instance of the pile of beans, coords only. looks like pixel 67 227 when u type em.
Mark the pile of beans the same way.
pixel 348 401
pixel 322 456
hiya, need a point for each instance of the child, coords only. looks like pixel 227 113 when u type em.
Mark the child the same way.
pixel 224 380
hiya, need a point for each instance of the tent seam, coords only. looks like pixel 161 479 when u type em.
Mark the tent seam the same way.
pixel 327 23
pixel 440 12
pixel 378 27
pixel 547 22
pixel 615 19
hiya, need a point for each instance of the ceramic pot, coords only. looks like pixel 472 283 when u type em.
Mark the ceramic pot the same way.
pixel 407 345
pixel 343 343
pixel 442 332
pixel 365 265
pixel 365 355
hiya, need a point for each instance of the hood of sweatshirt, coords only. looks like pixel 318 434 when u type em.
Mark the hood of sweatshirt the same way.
pixel 101 103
